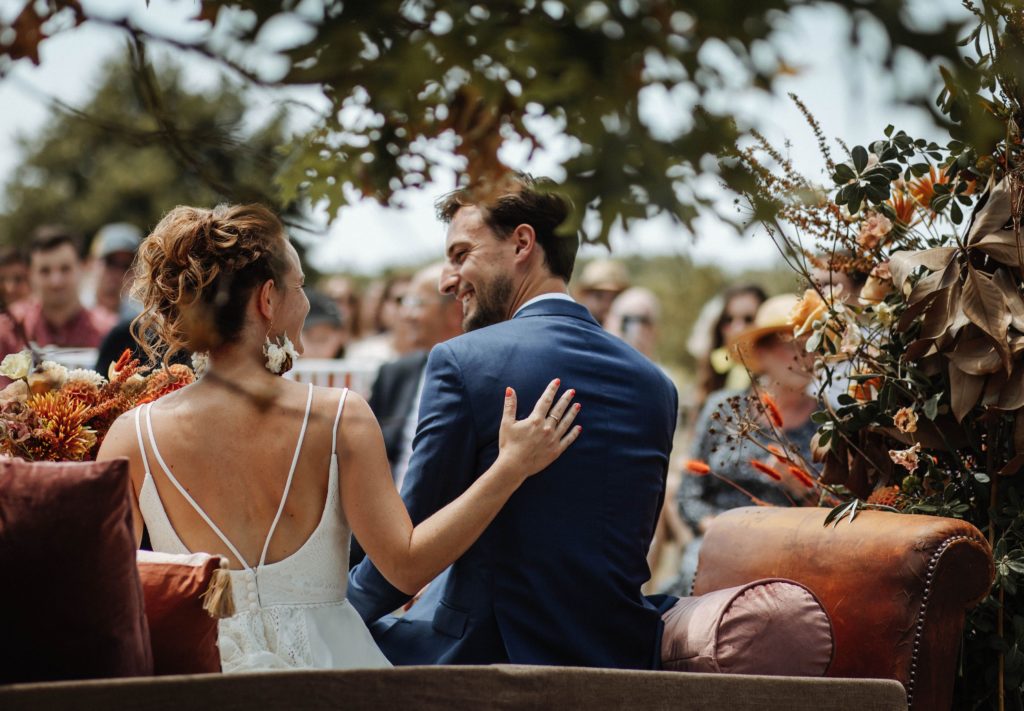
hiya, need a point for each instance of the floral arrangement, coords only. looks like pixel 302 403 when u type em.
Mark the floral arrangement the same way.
pixel 921 376
pixel 51 413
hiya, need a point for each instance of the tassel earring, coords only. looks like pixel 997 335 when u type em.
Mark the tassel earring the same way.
pixel 280 354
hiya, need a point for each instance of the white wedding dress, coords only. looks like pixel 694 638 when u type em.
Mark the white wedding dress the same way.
pixel 292 614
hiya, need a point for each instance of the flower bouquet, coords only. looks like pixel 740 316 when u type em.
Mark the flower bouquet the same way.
pixel 921 373
pixel 50 413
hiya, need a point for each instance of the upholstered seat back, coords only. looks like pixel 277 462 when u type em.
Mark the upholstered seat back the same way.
pixel 896 586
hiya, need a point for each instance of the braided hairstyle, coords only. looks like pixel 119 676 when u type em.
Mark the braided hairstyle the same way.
pixel 196 272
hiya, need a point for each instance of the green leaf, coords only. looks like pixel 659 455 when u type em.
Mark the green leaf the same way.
pixel 860 158
pixel 843 174
pixel 855 201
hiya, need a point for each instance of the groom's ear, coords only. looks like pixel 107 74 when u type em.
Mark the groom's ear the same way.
pixel 525 241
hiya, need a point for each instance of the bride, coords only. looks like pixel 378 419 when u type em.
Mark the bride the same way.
pixel 276 475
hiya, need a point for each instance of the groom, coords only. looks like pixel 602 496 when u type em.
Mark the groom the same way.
pixel 556 577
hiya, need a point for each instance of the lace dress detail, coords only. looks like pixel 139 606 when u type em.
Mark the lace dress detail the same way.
pixel 291 614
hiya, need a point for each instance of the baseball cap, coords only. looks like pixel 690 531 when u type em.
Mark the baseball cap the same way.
pixel 116 237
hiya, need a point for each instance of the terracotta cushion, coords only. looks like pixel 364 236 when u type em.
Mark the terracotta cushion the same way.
pixel 771 627
pixel 71 602
pixel 183 634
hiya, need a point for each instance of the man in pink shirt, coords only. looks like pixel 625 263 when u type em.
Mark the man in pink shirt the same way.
pixel 54 316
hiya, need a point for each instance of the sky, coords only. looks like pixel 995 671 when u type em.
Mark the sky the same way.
pixel 850 97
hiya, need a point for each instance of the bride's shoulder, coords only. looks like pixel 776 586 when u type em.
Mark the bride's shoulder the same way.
pixel 121 439
pixel 356 410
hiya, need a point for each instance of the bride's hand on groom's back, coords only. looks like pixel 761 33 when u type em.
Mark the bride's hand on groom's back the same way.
pixel 531 444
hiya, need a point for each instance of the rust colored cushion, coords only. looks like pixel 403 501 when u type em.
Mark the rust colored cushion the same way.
pixel 183 634
pixel 773 627
pixel 70 602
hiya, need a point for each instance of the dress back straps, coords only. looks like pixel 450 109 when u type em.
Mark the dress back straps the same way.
pixel 291 475
pixel 337 420
pixel 198 509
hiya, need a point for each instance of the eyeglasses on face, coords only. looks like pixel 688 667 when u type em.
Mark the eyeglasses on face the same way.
pixel 412 302
pixel 638 319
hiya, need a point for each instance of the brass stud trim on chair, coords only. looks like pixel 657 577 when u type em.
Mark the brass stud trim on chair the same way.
pixel 933 563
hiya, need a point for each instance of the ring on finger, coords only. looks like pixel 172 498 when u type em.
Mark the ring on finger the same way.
pixel 556 419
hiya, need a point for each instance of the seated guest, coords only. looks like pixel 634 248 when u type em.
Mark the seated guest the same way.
pixel 634 317
pixel 13 277
pixel 54 316
pixel 599 283
pixel 430 317
pixel 345 294
pixel 324 332
pixel 728 315
pixel 782 370
pixel 385 340
pixel 113 250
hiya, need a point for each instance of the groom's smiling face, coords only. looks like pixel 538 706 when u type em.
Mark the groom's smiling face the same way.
pixel 478 270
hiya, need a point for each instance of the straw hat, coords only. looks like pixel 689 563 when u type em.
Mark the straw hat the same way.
pixel 604 275
pixel 773 316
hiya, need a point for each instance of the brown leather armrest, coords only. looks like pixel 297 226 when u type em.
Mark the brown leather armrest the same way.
pixel 895 585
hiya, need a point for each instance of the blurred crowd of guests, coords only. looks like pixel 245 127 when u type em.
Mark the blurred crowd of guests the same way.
pixel 54 294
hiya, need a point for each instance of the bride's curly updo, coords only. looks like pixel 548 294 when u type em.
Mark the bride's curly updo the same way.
pixel 196 271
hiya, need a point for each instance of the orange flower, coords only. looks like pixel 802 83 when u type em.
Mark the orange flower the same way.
pixel 801 476
pixel 903 206
pixel 122 361
pixel 697 467
pixel 165 381
pixel 771 409
pixel 765 469
pixel 778 453
pixel 886 496
pixel 810 308
pixel 866 390
pixel 923 189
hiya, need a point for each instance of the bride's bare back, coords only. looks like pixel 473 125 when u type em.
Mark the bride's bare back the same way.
pixel 232 453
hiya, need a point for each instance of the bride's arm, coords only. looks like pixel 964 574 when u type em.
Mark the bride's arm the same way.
pixel 410 557
pixel 122 442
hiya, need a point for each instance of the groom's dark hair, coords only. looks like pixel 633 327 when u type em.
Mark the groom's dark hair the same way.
pixel 520 199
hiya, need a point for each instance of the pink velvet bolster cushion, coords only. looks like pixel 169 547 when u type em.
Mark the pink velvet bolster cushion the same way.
pixel 71 602
pixel 183 632
pixel 774 627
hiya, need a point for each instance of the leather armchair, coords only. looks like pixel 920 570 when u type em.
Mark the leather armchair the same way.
pixel 897 586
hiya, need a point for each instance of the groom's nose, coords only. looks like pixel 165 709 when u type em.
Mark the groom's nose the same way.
pixel 449 282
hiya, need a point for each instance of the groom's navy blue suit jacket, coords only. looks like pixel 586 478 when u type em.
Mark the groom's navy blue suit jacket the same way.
pixel 556 578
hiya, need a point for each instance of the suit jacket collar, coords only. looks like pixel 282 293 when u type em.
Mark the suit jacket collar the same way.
pixel 557 307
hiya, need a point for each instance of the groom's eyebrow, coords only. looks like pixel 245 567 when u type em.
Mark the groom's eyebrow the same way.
pixel 455 245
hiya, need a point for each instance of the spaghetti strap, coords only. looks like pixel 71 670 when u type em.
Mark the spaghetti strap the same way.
pixel 291 475
pixel 142 446
pixel 337 420
pixel 181 490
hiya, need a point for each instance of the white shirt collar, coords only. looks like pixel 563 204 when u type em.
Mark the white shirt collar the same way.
pixel 542 297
